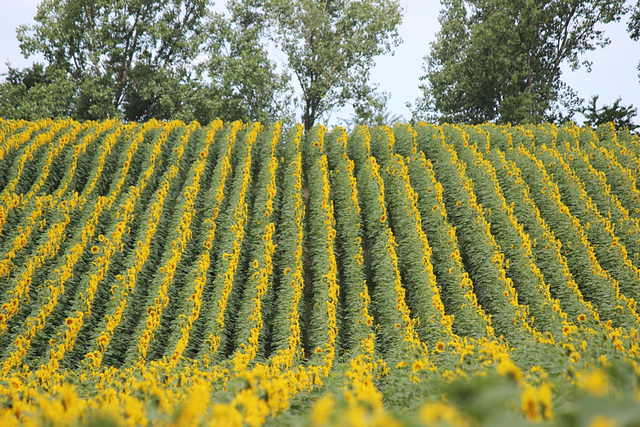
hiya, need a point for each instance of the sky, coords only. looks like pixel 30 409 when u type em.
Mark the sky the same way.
pixel 614 71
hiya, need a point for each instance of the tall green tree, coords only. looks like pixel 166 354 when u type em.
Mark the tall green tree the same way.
pixel 329 46
pixel 238 78
pixel 127 58
pixel 500 60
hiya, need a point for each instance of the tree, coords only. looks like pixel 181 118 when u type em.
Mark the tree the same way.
pixel 330 45
pixel 126 58
pixel 36 92
pixel 619 115
pixel 241 80
pixel 500 60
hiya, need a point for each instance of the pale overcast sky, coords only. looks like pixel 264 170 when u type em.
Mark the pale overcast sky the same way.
pixel 614 72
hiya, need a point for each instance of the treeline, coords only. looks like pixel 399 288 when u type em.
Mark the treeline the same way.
pixel 298 60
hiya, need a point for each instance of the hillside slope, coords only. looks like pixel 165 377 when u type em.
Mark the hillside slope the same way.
pixel 168 272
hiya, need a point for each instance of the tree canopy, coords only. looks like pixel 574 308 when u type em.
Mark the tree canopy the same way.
pixel 500 60
pixel 128 58
pixel 239 81
pixel 330 46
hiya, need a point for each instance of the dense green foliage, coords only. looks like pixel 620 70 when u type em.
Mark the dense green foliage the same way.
pixel 113 58
pixel 499 60
pixel 330 46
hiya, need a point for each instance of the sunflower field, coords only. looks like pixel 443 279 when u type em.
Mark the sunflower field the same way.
pixel 237 274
